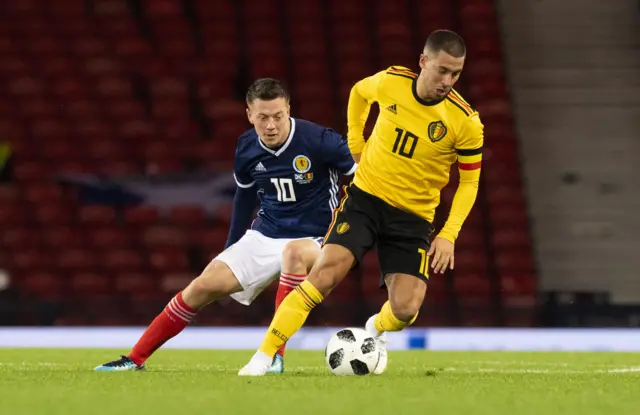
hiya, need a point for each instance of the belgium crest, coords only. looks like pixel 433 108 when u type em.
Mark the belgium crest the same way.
pixel 437 131
pixel 342 228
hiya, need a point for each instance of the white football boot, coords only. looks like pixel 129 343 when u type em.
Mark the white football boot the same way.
pixel 381 341
pixel 259 365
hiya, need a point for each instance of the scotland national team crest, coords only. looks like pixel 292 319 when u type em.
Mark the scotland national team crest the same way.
pixel 302 164
pixel 437 131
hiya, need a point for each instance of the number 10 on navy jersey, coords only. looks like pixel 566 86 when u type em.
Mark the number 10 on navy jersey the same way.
pixel 298 183
pixel 285 190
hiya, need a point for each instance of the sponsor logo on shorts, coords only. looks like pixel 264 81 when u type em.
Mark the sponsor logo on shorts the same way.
pixel 342 228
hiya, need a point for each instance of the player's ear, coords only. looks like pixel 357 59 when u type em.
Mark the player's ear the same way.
pixel 249 116
pixel 423 61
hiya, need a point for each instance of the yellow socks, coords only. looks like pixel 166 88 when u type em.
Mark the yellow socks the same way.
pixel 386 321
pixel 290 316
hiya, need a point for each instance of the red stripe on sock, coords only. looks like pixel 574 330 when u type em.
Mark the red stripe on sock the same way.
pixel 184 305
pixel 168 324
pixel 290 280
pixel 303 276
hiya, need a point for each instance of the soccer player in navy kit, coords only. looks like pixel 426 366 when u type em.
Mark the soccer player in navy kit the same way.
pixel 293 167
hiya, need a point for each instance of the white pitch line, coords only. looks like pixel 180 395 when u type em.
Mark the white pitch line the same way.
pixel 632 369
pixel 27 364
pixel 511 362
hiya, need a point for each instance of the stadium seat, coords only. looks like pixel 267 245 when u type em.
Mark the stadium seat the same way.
pixel 90 283
pixel 105 238
pixel 121 261
pixel 168 260
pixel 43 285
pixel 141 215
pixel 189 216
pixel 75 260
pixel 96 215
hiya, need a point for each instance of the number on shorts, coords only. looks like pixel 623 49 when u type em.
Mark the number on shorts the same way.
pixel 284 187
pixel 423 261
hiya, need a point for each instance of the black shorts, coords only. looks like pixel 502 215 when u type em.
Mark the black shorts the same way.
pixel 363 221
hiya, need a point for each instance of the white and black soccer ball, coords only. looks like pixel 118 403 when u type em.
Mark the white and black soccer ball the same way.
pixel 352 351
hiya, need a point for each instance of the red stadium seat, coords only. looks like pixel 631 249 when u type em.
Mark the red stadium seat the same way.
pixel 54 214
pixel 187 215
pixel 108 238
pixel 141 215
pixel 168 260
pixel 163 236
pixel 75 259
pixel 89 283
pixel 43 285
pixel 96 215
pixel 135 283
pixel 121 260
pixel 11 214
pixel 20 238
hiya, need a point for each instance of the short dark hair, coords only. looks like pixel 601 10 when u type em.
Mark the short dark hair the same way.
pixel 267 89
pixel 447 41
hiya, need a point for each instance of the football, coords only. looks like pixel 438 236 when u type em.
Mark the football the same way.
pixel 352 351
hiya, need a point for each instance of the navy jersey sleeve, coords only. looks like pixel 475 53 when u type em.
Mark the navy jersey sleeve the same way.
pixel 244 200
pixel 336 154
pixel 243 204
pixel 241 170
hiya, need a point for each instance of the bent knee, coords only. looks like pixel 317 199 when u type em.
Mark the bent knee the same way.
pixel 332 266
pixel 406 310
pixel 294 252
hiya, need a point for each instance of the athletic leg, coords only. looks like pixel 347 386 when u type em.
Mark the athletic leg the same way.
pixel 351 234
pixel 298 257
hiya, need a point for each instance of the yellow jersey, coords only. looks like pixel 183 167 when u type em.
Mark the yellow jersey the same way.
pixel 407 159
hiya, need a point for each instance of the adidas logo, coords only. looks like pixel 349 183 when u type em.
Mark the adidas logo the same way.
pixel 260 167
pixel 393 109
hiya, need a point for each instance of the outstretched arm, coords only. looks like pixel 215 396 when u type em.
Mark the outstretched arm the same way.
pixel 244 202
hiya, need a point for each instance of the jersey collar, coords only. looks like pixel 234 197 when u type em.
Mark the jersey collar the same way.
pixel 414 89
pixel 286 143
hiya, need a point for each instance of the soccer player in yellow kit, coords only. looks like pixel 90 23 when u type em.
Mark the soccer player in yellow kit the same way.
pixel 424 127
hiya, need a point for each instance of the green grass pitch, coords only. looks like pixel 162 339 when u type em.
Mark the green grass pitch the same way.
pixel 56 381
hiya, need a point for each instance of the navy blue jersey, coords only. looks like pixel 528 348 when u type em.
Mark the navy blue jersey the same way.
pixel 297 184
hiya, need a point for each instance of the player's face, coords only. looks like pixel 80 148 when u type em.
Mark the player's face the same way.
pixel 271 120
pixel 440 71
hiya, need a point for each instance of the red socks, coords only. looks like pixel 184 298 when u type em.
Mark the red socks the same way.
pixel 177 315
pixel 288 282
pixel 171 321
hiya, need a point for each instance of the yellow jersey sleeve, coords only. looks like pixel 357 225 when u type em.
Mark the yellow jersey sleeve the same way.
pixel 471 135
pixel 469 150
pixel 362 95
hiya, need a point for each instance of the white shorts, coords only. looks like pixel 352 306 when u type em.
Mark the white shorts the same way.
pixel 256 261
